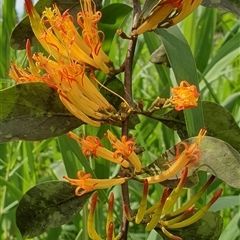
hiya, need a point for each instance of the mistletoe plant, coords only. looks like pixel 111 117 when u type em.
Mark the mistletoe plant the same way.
pixel 67 76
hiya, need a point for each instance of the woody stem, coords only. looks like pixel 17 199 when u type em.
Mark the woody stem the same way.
pixel 128 97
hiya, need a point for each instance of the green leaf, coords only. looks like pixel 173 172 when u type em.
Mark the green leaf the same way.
pixel 115 85
pixel 184 68
pixel 48 205
pixel 225 202
pixel 33 111
pixel 23 30
pixel 112 17
pixel 218 122
pixel 209 227
pixel 232 229
pixel 229 5
pixel 219 159
pixel 148 7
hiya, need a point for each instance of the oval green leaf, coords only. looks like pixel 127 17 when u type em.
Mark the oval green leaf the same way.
pixel 33 111
pixel 48 205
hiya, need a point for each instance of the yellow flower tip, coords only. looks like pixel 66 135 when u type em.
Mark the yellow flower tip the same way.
pixel 29 7
pixel 110 231
pixel 127 213
pixel 216 196
pixel 198 214
pixel 184 96
pixel 110 202
pixel 183 178
pixel 93 203
pixel 201 135
pixel 90 221
pixel 170 235
pixel 143 204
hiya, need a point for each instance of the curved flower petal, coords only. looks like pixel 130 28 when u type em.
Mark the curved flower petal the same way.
pixel 85 183
pixel 184 96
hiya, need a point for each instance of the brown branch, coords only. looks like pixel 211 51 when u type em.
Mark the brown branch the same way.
pixel 128 97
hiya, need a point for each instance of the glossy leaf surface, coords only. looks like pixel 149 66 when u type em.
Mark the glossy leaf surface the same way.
pixel 48 205
pixel 33 111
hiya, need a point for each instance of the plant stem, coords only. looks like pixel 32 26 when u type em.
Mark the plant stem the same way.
pixel 128 97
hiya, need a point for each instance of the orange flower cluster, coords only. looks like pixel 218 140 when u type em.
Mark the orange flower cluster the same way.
pixel 184 96
pixel 70 57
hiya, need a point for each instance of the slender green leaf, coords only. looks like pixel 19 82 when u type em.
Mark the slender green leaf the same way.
pixel 184 68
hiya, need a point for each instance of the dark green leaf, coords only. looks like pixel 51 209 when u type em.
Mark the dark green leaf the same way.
pixel 115 85
pixel 112 17
pixel 23 30
pixel 209 227
pixel 48 205
pixel 33 111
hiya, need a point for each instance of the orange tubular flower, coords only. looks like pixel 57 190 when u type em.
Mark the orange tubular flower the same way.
pixel 85 183
pixel 91 146
pixel 166 13
pixel 87 20
pixel 190 155
pixel 125 148
pixel 184 96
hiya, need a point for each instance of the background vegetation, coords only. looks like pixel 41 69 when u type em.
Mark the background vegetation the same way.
pixel 211 34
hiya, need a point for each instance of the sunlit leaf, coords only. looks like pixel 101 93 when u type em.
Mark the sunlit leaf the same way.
pixel 232 229
pixel 48 205
pixel 206 228
pixel 33 111
pixel 23 30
